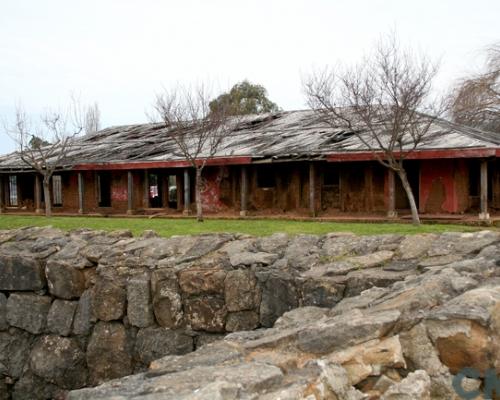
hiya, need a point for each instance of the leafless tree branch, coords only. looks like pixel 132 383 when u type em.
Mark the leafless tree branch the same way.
pixel 384 101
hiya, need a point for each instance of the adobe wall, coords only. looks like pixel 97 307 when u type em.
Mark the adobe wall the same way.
pixel 444 186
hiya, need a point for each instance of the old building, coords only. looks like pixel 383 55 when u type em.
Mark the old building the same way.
pixel 290 162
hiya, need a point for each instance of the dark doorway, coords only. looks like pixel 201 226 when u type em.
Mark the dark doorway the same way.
pixel 155 191
pixel 104 189
pixel 412 169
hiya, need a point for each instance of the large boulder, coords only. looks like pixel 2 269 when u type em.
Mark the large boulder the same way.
pixel 139 302
pixel 279 295
pixel 108 353
pixel 207 313
pixel 83 320
pixel 108 300
pixel 65 281
pixel 167 301
pixel 19 273
pixel 416 386
pixel 3 312
pixel 28 311
pixel 196 281
pixel 60 361
pixel 241 291
pixel 153 343
pixel 60 317
pixel 15 347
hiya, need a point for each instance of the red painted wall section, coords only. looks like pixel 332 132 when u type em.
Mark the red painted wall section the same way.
pixel 211 193
pixel 443 186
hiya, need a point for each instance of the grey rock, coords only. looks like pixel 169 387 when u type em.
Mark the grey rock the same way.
pixel 279 295
pixel 324 292
pixel 108 353
pixel 70 255
pixel 60 317
pixel 154 343
pixel 167 302
pixel 371 260
pixel 339 245
pixel 108 300
pixel 15 347
pixel 275 243
pixel 346 330
pixel 242 321
pixel 414 246
pixel 358 281
pixel 139 302
pixel 59 361
pixel 32 387
pixel 3 312
pixel 416 386
pixel 185 385
pixel 28 311
pixel 248 258
pixel 83 319
pixel 204 245
pixel 302 252
pixel 149 233
pixel 212 354
pixel 473 305
pixel 65 281
pixel 202 280
pixel 206 313
pixel 202 339
pixel 21 273
pixel 241 291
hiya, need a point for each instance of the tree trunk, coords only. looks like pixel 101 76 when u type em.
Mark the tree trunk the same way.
pixel 197 185
pixel 409 194
pixel 46 196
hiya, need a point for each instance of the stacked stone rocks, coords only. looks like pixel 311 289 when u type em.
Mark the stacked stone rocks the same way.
pixel 83 307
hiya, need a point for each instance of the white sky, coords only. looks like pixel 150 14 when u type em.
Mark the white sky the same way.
pixel 120 52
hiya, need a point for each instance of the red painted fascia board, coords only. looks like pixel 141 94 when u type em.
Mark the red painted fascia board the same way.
pixel 417 155
pixel 159 164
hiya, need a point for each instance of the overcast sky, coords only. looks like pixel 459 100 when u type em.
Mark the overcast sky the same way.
pixel 119 53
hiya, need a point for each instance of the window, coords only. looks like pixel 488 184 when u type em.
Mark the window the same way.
pixel 13 200
pixel 172 191
pixel 265 178
pixel 104 189
pixel 56 190
pixel 331 177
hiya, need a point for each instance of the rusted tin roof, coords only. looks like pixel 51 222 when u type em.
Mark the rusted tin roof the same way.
pixel 285 135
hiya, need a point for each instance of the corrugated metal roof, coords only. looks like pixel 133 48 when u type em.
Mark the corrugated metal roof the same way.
pixel 287 134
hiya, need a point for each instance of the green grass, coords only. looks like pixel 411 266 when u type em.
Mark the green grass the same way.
pixel 169 227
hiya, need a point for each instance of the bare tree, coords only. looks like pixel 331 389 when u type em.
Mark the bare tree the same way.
pixel 384 101
pixel 92 118
pixel 197 131
pixel 45 146
pixel 476 100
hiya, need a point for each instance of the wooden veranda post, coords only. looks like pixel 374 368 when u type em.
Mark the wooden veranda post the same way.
pixel 130 193
pixel 484 215
pixel 2 195
pixel 187 193
pixel 145 196
pixel 312 190
pixel 391 201
pixel 80 193
pixel 244 192
pixel 38 194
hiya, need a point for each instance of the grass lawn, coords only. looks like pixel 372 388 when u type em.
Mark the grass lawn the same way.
pixel 169 227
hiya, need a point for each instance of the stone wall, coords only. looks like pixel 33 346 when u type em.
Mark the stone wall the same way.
pixel 81 308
